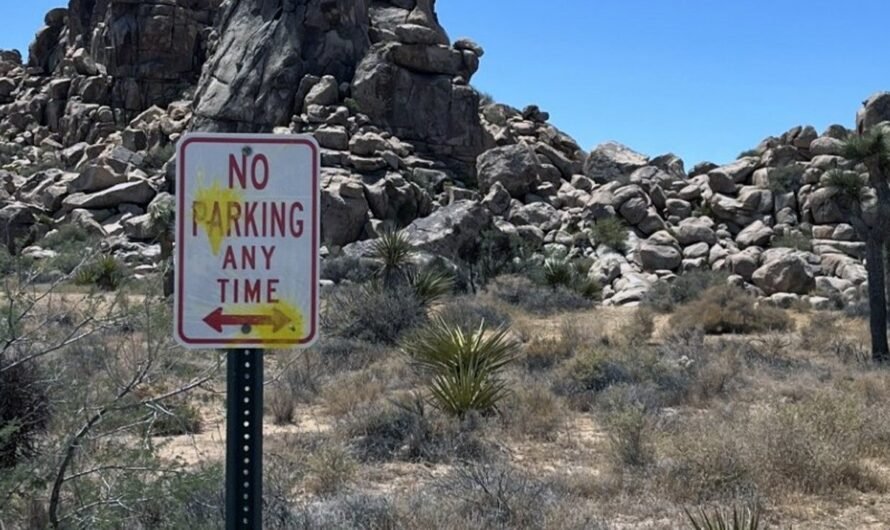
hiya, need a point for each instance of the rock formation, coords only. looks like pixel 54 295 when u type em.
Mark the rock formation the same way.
pixel 89 121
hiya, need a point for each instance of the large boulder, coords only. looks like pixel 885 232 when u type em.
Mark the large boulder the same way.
pixel 613 161
pixel 874 110
pixel 515 167
pixel 251 81
pixel 654 256
pixel 453 231
pixel 134 192
pixel 16 220
pixel 344 208
pixel 787 273
pixel 427 109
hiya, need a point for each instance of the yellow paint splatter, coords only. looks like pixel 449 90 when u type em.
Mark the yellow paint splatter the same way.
pixel 212 212
pixel 290 323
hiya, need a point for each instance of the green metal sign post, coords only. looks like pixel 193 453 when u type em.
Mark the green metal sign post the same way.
pixel 244 440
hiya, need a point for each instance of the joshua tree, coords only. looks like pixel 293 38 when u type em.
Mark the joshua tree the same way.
pixel 871 149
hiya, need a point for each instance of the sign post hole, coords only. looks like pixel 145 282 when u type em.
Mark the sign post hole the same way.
pixel 247 236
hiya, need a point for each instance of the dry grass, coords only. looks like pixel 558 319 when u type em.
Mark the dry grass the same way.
pixel 611 421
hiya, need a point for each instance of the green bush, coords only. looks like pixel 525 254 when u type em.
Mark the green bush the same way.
pixel 568 274
pixel 521 291
pixel 629 436
pixel 464 365
pixel 24 410
pixel 849 183
pixel 330 469
pixel 104 272
pixel 748 152
pixel 727 309
pixel 371 312
pixel 610 231
pixel 468 312
pixel 175 419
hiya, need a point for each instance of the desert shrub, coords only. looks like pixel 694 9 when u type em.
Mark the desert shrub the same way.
pixel 465 365
pixel 104 272
pixel 349 511
pixel 468 312
pixel 371 312
pixel 825 333
pixel 496 496
pixel 637 328
pixel 812 446
pixel 282 403
pixel 587 374
pixel 728 309
pixel 495 255
pixel 522 292
pixel 693 370
pixel 542 353
pixel 816 445
pixel 734 518
pixel 301 378
pixel 347 392
pixel 331 468
pixel 785 179
pixel 794 240
pixel 334 354
pixel 346 268
pixel 24 409
pixel 404 429
pixel 533 411
pixel 710 459
pixel 665 296
pixel 190 498
pixel 353 106
pixel 610 231
pixel 629 430
pixel 175 418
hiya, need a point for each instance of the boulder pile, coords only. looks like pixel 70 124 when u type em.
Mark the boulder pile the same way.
pixel 89 123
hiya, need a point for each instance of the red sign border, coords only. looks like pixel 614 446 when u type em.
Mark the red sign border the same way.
pixel 267 139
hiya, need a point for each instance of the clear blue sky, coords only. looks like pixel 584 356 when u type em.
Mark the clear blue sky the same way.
pixel 705 79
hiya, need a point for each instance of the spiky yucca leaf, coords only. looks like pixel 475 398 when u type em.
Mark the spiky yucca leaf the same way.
pixel 558 271
pixel 465 364
pixel 849 183
pixel 874 143
pixel 736 519
pixel 430 284
pixel 394 250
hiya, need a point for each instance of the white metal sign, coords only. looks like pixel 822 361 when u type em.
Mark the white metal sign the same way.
pixel 247 240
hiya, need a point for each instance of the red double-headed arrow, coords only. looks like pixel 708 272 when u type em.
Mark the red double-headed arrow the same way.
pixel 217 320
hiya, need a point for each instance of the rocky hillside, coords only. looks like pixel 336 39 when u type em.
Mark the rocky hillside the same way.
pixel 89 121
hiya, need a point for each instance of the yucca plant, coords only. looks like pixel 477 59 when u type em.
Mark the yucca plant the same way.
pixel 464 364
pixel 394 251
pixel 105 272
pixel 558 271
pixel 430 284
pixel 747 518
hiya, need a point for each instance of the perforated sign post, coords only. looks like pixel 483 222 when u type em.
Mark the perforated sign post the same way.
pixel 246 276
